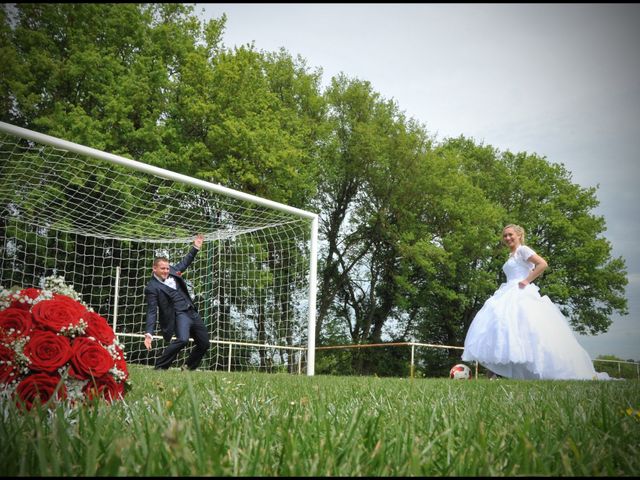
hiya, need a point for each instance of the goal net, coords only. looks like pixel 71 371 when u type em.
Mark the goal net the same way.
pixel 98 220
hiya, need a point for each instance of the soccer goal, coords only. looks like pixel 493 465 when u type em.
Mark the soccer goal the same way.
pixel 98 219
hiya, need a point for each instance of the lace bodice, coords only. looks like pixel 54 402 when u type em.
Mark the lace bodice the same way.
pixel 516 267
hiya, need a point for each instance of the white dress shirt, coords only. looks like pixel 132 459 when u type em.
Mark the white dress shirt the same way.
pixel 169 282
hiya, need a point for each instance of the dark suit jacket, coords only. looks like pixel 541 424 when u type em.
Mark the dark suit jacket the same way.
pixel 163 301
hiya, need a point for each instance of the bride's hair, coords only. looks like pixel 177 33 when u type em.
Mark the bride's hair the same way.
pixel 519 231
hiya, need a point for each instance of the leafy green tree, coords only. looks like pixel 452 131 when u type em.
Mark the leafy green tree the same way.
pixel 256 117
pixel 370 203
pixel 445 261
pixel 583 278
pixel 350 152
pixel 92 74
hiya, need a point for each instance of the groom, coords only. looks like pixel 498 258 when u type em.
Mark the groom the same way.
pixel 169 301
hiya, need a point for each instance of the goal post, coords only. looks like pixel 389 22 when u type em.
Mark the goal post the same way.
pixel 98 219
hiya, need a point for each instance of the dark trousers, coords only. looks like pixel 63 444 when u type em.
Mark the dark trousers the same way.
pixel 188 324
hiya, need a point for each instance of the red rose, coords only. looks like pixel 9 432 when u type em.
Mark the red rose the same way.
pixel 99 329
pixel 24 298
pixel 8 367
pixel 89 359
pixel 58 313
pixel 16 319
pixel 74 304
pixel 105 387
pixel 47 351
pixel 39 386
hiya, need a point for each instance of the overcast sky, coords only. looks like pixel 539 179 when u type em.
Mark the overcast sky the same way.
pixel 562 81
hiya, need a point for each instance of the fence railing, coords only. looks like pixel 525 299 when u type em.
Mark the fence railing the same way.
pixel 620 363
pixel 413 346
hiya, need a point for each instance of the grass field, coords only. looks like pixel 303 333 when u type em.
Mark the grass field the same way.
pixel 252 424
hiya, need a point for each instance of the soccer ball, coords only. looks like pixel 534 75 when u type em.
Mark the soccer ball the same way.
pixel 460 372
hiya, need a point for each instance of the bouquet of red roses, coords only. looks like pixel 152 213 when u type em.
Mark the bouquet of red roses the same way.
pixel 55 348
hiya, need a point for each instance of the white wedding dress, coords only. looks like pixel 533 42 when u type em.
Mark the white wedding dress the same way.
pixel 520 334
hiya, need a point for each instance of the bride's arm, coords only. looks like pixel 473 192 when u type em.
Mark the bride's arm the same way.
pixel 539 266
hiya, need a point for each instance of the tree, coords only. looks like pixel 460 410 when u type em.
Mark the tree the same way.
pixel 372 164
pixel 446 259
pixel 583 278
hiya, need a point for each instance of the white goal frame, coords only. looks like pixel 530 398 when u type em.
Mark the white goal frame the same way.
pixel 207 186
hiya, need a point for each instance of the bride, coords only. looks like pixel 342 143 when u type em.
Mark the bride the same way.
pixel 520 334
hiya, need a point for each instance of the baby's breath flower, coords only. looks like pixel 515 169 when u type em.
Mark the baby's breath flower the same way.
pixel 73 331
pixel 74 389
pixel 119 375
